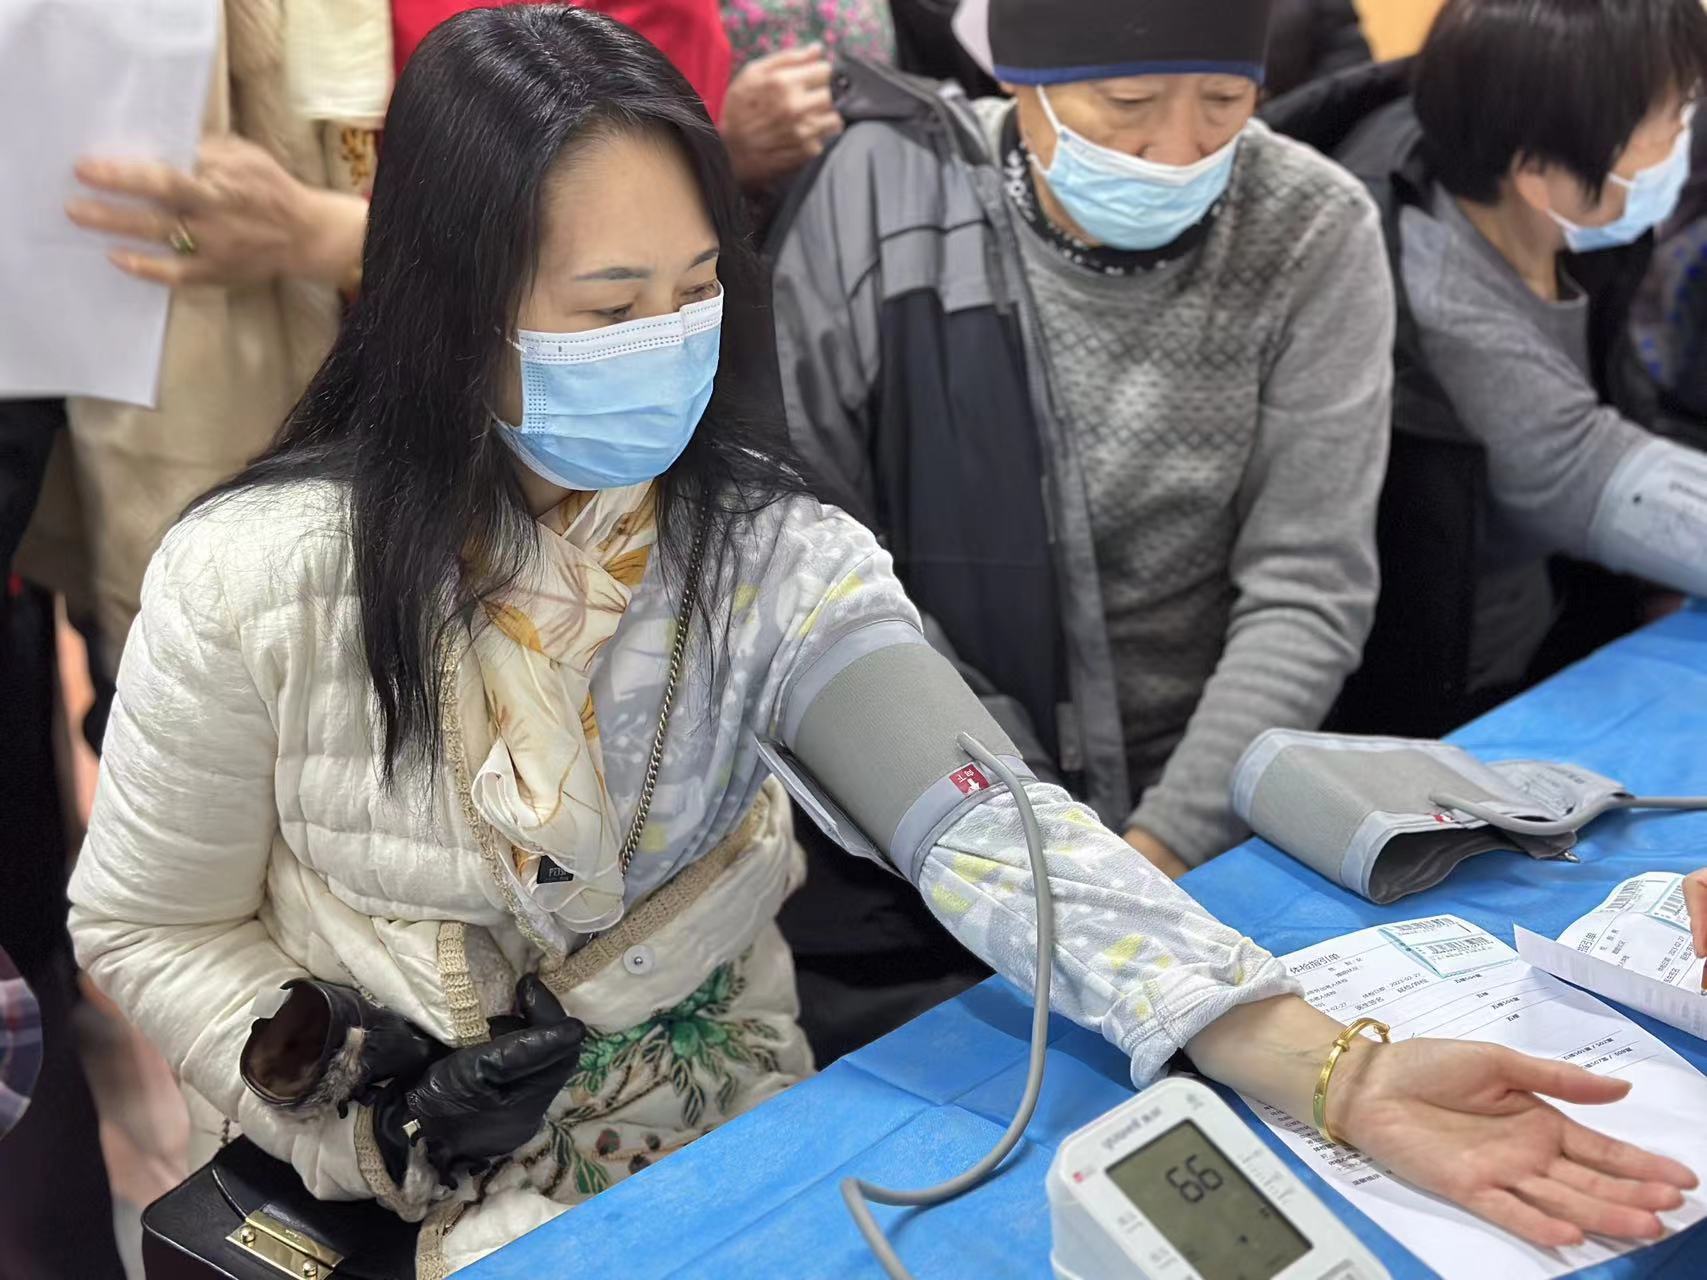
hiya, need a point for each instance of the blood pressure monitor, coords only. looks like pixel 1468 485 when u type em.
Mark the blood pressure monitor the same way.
pixel 1172 1185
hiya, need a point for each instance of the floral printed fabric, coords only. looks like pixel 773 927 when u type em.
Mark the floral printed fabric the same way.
pixel 542 785
pixel 758 27
pixel 644 1092
pixel 638 1094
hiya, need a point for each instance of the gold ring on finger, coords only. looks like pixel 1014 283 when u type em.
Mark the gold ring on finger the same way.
pixel 181 241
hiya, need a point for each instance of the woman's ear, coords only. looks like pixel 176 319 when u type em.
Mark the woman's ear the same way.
pixel 1529 181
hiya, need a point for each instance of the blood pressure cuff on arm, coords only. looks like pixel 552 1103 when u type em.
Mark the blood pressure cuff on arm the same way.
pixel 1652 517
pixel 870 745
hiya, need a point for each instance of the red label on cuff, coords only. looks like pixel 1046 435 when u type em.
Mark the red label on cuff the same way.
pixel 969 780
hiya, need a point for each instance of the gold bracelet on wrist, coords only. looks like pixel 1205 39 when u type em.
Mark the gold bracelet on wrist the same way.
pixel 1342 1042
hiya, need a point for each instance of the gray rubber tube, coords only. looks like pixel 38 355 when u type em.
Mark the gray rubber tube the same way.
pixel 857 1193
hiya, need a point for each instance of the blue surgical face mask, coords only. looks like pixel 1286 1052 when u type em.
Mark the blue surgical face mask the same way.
pixel 1649 199
pixel 1127 202
pixel 616 406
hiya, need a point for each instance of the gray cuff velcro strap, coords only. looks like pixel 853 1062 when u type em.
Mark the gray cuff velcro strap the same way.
pixel 841 655
pixel 943 804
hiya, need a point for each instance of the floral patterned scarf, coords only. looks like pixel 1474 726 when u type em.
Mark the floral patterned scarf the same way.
pixel 543 784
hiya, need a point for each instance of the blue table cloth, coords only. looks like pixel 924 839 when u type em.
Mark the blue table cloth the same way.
pixel 760 1198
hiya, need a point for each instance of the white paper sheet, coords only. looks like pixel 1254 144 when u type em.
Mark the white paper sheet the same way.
pixel 121 78
pixel 1634 948
pixel 1442 976
pixel 1643 926
pixel 1682 1008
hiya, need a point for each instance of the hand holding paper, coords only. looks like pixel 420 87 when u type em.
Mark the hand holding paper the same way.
pixel 1695 899
pixel 250 220
pixel 1640 947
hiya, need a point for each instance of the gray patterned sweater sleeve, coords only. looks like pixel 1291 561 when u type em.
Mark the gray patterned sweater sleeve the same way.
pixel 1303 568
pixel 1135 958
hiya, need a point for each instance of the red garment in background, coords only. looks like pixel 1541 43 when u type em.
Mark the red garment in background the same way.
pixel 688 32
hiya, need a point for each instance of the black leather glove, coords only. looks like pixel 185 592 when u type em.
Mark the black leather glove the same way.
pixel 482 1102
pixel 328 1047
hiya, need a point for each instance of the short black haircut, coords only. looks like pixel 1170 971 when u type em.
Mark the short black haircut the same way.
pixel 1563 82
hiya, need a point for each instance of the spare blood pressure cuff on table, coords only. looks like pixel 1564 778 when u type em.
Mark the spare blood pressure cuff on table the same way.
pixel 868 745
pixel 1373 814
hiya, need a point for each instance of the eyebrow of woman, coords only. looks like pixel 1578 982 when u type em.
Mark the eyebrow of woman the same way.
pixel 643 273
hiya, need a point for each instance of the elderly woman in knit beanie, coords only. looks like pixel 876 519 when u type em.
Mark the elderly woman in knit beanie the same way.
pixel 1108 365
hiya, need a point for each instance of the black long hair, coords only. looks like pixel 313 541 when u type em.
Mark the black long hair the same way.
pixel 399 414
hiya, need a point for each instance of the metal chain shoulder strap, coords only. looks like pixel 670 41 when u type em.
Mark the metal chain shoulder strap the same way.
pixel 678 653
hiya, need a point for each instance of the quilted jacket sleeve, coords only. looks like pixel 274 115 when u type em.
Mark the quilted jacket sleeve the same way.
pixel 172 874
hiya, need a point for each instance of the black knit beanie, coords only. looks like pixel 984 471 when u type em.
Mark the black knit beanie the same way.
pixel 1056 41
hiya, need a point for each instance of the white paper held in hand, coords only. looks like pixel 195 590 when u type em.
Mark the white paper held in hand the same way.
pixel 110 78
pixel 1634 948
pixel 1442 976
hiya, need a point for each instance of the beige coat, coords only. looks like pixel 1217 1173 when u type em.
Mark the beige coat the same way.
pixel 235 361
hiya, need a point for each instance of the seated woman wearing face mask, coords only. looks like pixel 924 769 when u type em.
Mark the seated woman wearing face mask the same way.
pixel 433 845
pixel 1555 134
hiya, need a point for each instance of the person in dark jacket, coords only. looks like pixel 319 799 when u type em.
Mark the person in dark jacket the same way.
pixel 1107 366
pixel 1521 179
pixel 925 45
pixel 1310 39
pixel 1670 318
pixel 60 1224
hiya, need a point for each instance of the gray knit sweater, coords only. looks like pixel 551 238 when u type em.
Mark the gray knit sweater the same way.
pixel 1232 411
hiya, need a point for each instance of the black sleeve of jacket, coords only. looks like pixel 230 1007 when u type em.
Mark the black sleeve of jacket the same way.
pixel 1310 39
pixel 27 429
pixel 828 311
pixel 1340 42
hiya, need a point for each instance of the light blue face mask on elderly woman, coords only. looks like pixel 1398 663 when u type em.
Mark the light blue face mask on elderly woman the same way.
pixel 616 406
pixel 1128 202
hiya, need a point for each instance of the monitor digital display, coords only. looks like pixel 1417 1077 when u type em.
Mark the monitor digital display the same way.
pixel 1206 1208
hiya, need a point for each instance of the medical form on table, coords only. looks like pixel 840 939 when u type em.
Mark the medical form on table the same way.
pixel 1442 976
pixel 1634 948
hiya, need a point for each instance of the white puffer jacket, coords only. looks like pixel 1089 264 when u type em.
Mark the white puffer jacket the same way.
pixel 241 836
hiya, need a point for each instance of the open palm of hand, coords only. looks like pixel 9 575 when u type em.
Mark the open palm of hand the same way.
pixel 1468 1122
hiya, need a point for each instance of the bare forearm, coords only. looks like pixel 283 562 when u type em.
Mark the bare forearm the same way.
pixel 1273 1050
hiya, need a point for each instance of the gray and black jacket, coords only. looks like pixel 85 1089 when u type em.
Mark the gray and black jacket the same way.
pixel 880 311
